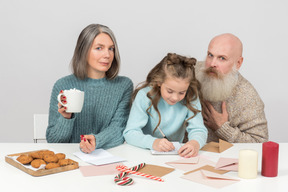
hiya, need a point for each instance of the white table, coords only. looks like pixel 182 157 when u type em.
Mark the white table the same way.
pixel 70 181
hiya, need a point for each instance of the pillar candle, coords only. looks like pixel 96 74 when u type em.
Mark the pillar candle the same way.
pixel 270 151
pixel 248 164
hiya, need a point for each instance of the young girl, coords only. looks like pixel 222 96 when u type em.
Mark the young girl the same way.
pixel 166 104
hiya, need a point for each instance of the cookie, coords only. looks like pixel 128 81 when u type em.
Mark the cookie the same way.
pixel 52 165
pixel 24 159
pixel 36 163
pixel 51 158
pixel 36 155
pixel 60 155
pixel 64 162
pixel 47 152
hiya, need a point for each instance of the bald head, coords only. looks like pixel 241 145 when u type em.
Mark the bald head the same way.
pixel 228 42
pixel 224 52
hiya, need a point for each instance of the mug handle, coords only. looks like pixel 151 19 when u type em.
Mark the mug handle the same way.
pixel 59 99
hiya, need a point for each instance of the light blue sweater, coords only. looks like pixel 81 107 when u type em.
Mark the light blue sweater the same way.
pixel 104 113
pixel 140 125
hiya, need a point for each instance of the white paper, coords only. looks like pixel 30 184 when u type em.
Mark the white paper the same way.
pixel 177 146
pixel 98 157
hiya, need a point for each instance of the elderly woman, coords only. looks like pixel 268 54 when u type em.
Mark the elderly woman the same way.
pixel 95 64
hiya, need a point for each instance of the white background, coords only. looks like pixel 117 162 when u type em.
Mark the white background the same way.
pixel 37 40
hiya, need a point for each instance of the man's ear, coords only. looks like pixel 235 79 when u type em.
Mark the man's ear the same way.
pixel 239 62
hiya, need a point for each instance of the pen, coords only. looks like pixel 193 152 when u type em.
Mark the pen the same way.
pixel 83 138
pixel 164 136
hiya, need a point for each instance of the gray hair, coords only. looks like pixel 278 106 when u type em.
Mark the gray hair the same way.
pixel 84 42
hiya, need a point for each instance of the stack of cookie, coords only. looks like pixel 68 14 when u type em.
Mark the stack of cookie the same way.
pixel 45 157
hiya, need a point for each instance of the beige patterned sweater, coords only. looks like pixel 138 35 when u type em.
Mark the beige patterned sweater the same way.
pixel 247 122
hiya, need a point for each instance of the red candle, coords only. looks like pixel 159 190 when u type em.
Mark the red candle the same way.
pixel 270 152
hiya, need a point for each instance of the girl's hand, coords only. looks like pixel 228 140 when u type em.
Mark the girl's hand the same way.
pixel 62 109
pixel 88 143
pixel 190 149
pixel 163 145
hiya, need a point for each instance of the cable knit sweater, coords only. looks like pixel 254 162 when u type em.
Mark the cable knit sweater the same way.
pixel 247 122
pixel 104 113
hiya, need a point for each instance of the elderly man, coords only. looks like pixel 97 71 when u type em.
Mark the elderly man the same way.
pixel 231 107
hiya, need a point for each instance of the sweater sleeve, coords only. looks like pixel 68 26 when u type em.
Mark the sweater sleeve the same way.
pixel 196 129
pixel 252 130
pixel 59 129
pixel 138 119
pixel 252 126
pixel 112 135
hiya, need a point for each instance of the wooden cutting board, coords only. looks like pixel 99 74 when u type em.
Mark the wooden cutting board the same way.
pixel 40 172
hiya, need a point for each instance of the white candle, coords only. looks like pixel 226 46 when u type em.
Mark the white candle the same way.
pixel 248 164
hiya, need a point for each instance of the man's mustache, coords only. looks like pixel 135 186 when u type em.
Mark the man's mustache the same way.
pixel 212 70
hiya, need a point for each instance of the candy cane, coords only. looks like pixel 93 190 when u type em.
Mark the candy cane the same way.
pixel 126 170
pixel 120 179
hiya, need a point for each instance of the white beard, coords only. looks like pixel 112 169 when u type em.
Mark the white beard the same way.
pixel 215 89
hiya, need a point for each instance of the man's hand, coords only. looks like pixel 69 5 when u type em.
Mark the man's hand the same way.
pixel 213 119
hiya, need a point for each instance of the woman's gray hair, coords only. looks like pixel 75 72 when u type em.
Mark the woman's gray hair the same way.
pixel 84 42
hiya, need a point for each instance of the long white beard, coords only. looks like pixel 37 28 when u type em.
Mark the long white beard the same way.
pixel 216 89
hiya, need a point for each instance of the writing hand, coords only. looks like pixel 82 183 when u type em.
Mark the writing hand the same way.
pixel 163 145
pixel 88 143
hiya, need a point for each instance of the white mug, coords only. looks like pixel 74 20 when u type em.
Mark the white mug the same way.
pixel 74 98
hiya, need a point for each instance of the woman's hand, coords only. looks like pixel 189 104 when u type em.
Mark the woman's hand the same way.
pixel 62 109
pixel 190 149
pixel 88 143
pixel 163 145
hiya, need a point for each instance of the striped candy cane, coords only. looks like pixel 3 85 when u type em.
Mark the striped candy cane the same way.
pixel 121 178
pixel 126 170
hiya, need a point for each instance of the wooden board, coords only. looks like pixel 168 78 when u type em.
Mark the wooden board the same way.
pixel 40 172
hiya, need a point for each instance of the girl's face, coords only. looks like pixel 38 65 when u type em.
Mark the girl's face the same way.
pixel 174 90
pixel 100 56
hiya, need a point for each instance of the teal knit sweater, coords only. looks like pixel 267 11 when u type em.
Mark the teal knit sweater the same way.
pixel 104 113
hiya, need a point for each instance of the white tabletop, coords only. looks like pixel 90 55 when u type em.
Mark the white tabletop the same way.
pixel 70 181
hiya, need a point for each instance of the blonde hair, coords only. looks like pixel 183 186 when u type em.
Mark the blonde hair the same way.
pixel 176 66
